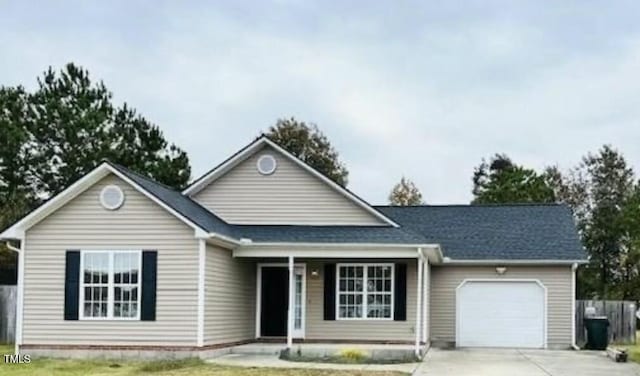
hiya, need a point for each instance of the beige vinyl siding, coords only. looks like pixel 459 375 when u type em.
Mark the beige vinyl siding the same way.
pixel 290 195
pixel 230 294
pixel 82 224
pixel 557 280
pixel 371 330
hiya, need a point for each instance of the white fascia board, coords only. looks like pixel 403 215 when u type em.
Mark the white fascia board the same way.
pixel 223 240
pixel 222 169
pixel 326 253
pixel 248 243
pixel 447 261
pixel 17 230
pixel 226 166
pixel 333 184
pixel 338 250
pixel 154 199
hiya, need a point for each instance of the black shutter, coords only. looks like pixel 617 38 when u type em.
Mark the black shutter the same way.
pixel 330 291
pixel 72 285
pixel 149 273
pixel 400 298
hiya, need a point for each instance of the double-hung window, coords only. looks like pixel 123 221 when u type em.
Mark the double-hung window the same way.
pixel 364 291
pixel 110 285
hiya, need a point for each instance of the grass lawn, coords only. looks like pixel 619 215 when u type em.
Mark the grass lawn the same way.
pixel 191 367
pixel 634 351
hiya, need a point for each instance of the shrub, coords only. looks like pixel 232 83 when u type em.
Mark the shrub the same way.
pixel 353 355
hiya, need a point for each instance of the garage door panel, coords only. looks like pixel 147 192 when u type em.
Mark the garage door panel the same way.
pixel 500 314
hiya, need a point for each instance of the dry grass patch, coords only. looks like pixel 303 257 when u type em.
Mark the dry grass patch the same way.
pixel 187 367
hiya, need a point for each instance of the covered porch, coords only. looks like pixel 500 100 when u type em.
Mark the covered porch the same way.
pixel 326 296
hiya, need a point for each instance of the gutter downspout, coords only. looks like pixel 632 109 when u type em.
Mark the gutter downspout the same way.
pixel 574 267
pixel 12 247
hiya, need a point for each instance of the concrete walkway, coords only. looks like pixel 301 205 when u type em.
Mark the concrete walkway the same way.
pixel 272 361
pixel 507 362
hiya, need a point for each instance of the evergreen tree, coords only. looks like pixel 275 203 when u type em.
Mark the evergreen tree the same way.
pixel 65 128
pixel 502 181
pixel 74 125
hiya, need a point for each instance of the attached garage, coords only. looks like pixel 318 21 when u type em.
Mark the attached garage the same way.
pixel 501 313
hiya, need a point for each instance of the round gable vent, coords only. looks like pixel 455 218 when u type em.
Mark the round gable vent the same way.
pixel 111 197
pixel 267 164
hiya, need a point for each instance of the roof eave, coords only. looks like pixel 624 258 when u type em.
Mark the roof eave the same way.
pixel 449 261
pixel 17 230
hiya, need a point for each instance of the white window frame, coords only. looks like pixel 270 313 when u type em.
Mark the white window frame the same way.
pixel 365 291
pixel 110 286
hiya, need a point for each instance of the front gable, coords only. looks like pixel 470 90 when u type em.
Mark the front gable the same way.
pixel 87 182
pixel 290 195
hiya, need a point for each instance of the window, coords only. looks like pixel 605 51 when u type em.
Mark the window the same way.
pixel 365 291
pixel 110 285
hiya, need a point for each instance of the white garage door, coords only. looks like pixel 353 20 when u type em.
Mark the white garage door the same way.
pixel 500 314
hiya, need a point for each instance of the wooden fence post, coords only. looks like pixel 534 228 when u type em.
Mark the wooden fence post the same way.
pixel 8 302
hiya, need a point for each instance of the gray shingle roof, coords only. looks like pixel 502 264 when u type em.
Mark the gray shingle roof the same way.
pixel 329 234
pixel 180 203
pixel 495 232
pixel 465 232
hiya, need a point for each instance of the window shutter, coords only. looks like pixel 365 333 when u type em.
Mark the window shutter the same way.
pixel 400 298
pixel 330 291
pixel 149 274
pixel 72 285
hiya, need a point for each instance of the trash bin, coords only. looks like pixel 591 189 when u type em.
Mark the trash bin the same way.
pixel 597 332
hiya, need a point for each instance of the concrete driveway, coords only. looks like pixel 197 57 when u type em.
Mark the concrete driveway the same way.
pixel 506 362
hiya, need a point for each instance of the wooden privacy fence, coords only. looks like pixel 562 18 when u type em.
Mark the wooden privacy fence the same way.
pixel 8 303
pixel 621 315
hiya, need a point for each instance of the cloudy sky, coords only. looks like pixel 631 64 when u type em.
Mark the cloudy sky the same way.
pixel 422 89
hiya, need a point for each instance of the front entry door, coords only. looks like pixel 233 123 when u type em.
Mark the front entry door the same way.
pixel 274 301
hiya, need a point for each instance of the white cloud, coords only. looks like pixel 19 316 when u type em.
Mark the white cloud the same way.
pixel 421 92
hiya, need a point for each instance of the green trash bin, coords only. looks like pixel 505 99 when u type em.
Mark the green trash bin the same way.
pixel 597 332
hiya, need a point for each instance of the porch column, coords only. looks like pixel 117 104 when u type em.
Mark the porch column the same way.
pixel 290 310
pixel 425 301
pixel 419 303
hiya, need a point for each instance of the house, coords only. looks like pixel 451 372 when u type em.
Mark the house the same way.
pixel 265 247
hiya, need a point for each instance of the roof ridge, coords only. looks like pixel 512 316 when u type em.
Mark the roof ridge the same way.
pixel 315 226
pixel 511 204
pixel 172 191
pixel 142 176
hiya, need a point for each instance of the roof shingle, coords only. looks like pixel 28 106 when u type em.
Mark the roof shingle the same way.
pixel 495 232
pixel 465 232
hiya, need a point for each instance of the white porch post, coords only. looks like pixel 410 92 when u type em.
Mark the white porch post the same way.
pixel 419 303
pixel 290 311
pixel 202 259
pixel 574 267
pixel 20 307
pixel 425 301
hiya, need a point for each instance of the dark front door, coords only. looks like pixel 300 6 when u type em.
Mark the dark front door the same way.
pixel 274 301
